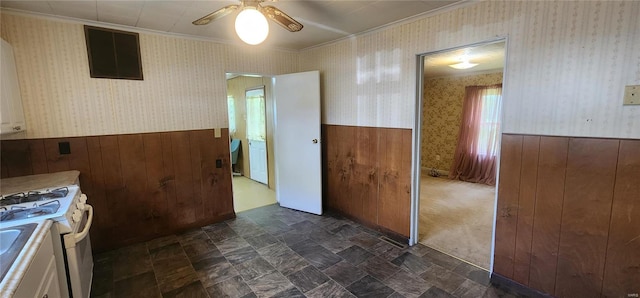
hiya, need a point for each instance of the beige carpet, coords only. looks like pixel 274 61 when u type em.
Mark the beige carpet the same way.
pixel 457 218
pixel 248 194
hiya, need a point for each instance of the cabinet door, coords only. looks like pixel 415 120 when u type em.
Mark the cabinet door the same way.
pixel 11 113
pixel 41 277
pixel 51 286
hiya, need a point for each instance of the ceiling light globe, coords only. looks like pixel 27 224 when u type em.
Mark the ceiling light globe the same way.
pixel 463 65
pixel 252 26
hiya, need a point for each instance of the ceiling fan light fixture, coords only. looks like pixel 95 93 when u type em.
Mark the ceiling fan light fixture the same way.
pixel 463 65
pixel 252 26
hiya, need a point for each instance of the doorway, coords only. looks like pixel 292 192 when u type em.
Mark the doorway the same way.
pixel 297 162
pixel 257 134
pixel 251 125
pixel 458 131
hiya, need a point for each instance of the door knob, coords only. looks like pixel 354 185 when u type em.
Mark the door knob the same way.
pixel 315 141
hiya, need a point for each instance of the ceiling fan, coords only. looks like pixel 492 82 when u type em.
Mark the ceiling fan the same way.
pixel 256 10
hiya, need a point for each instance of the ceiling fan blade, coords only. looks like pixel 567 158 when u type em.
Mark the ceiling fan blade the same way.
pixel 282 18
pixel 215 15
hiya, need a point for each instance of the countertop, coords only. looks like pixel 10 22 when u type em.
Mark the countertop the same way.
pixel 10 282
pixel 41 181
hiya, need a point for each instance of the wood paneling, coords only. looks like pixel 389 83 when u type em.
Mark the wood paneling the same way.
pixel 16 158
pixel 4 171
pixel 394 167
pixel 331 172
pixel 169 181
pixel 344 166
pixel 80 161
pixel 622 268
pixel 507 212
pixel 141 185
pixel 196 174
pixel 185 201
pixel 114 195
pixel 56 162
pixel 367 174
pixel 552 163
pixel 217 183
pixel 586 212
pixel 338 164
pixel 38 157
pixel 134 180
pixel 210 177
pixel 100 229
pixel 154 167
pixel 526 208
pixel 577 200
pixel 348 170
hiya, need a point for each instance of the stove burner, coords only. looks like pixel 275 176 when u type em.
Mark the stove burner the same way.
pixel 18 212
pixel 33 196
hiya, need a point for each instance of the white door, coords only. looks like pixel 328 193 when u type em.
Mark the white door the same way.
pixel 258 161
pixel 297 141
pixel 257 135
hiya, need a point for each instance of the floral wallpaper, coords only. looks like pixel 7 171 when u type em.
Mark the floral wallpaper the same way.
pixel 442 115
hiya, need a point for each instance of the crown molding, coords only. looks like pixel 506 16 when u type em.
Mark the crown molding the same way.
pixel 71 20
pixel 411 19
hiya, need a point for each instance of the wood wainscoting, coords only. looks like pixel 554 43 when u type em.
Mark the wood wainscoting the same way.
pixel 568 220
pixel 367 175
pixel 141 185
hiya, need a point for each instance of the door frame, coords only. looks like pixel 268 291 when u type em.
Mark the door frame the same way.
pixel 267 93
pixel 266 141
pixel 417 139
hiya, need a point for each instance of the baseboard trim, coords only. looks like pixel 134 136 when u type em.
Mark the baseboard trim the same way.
pixel 194 225
pixel 380 229
pixel 515 287
pixel 442 173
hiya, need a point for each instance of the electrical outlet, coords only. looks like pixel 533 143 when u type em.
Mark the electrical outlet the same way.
pixel 632 95
pixel 438 157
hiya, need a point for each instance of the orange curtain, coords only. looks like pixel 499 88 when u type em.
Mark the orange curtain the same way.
pixel 476 153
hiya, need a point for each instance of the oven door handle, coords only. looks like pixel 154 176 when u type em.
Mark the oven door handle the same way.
pixel 87 226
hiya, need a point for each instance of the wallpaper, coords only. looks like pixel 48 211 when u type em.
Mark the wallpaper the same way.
pixel 184 83
pixel 442 114
pixel 567 65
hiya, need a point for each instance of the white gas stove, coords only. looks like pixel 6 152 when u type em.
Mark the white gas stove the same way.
pixel 64 205
pixel 72 217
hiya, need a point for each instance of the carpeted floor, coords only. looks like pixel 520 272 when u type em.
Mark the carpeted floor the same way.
pixel 457 218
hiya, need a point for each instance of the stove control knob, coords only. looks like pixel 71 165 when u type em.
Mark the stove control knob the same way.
pixel 77 215
pixel 83 198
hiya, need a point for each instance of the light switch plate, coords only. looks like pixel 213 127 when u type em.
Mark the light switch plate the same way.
pixel 632 95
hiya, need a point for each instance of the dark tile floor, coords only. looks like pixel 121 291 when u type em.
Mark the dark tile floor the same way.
pixel 278 252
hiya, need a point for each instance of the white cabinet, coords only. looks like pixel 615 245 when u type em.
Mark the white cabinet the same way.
pixel 11 113
pixel 41 278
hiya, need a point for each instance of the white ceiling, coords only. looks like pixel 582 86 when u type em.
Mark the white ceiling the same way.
pixel 489 57
pixel 323 21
